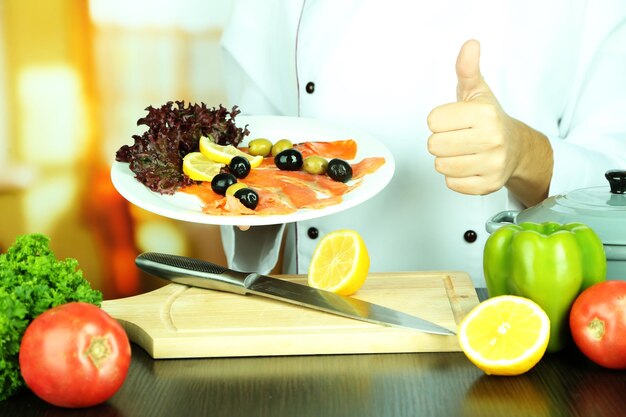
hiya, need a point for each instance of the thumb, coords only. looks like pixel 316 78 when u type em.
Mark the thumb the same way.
pixel 470 80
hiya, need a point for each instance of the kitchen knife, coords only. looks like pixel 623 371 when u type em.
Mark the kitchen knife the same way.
pixel 199 273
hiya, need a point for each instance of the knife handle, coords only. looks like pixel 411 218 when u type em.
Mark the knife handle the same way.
pixel 193 272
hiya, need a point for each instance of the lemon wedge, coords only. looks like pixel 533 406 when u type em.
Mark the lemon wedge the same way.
pixel 200 168
pixel 232 189
pixel 340 263
pixel 224 153
pixel 505 335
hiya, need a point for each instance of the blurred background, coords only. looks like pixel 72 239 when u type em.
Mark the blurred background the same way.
pixel 75 75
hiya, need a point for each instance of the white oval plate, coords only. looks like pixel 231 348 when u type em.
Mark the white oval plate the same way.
pixel 186 207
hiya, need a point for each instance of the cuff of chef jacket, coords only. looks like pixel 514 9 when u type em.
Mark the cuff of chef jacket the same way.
pixel 254 250
pixel 575 168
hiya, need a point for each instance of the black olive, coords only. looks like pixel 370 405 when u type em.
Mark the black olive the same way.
pixel 289 160
pixel 339 170
pixel 248 197
pixel 239 166
pixel 222 181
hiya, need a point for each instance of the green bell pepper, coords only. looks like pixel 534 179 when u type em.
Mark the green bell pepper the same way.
pixel 549 263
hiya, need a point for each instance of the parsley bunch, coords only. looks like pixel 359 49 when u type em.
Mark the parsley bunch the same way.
pixel 32 281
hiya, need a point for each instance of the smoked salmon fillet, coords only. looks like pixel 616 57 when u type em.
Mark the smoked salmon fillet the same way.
pixel 284 192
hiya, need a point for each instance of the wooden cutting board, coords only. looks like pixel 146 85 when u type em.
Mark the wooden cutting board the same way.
pixel 177 321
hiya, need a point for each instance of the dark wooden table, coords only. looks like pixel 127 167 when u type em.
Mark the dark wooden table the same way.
pixel 412 385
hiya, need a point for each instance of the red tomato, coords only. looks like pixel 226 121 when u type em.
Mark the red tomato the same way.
pixel 598 323
pixel 74 355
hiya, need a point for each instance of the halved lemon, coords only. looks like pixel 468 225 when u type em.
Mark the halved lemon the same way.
pixel 224 153
pixel 505 335
pixel 200 168
pixel 340 263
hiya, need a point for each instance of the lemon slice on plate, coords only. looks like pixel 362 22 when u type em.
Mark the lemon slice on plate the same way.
pixel 505 335
pixel 340 263
pixel 200 168
pixel 224 153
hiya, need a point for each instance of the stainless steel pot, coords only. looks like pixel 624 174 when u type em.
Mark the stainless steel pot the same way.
pixel 601 208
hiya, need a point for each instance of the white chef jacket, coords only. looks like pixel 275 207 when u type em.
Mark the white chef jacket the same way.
pixel 381 67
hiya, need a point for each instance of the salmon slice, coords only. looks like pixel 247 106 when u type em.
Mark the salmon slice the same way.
pixel 280 192
pixel 203 191
pixel 284 192
pixel 289 186
pixel 268 162
pixel 270 203
pixel 367 166
pixel 344 149
pixel 214 204
pixel 319 183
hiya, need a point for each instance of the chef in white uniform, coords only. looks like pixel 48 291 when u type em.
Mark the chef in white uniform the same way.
pixel 391 69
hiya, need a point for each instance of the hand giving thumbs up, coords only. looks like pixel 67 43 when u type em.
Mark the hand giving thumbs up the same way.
pixel 479 148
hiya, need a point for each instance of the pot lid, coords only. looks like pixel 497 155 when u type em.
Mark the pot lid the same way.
pixel 601 208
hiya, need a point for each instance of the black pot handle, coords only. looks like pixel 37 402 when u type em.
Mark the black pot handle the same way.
pixel 617 180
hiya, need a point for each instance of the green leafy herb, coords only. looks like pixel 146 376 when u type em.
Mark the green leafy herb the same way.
pixel 32 281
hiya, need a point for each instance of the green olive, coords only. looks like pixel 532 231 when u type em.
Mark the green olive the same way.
pixel 232 189
pixel 315 164
pixel 280 146
pixel 260 146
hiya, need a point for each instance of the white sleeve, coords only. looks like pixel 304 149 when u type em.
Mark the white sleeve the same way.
pixel 593 131
pixel 255 250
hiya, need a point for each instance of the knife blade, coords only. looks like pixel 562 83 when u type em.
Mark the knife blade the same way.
pixel 198 273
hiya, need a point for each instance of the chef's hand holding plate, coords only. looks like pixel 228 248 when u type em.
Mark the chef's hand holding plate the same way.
pixel 479 148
